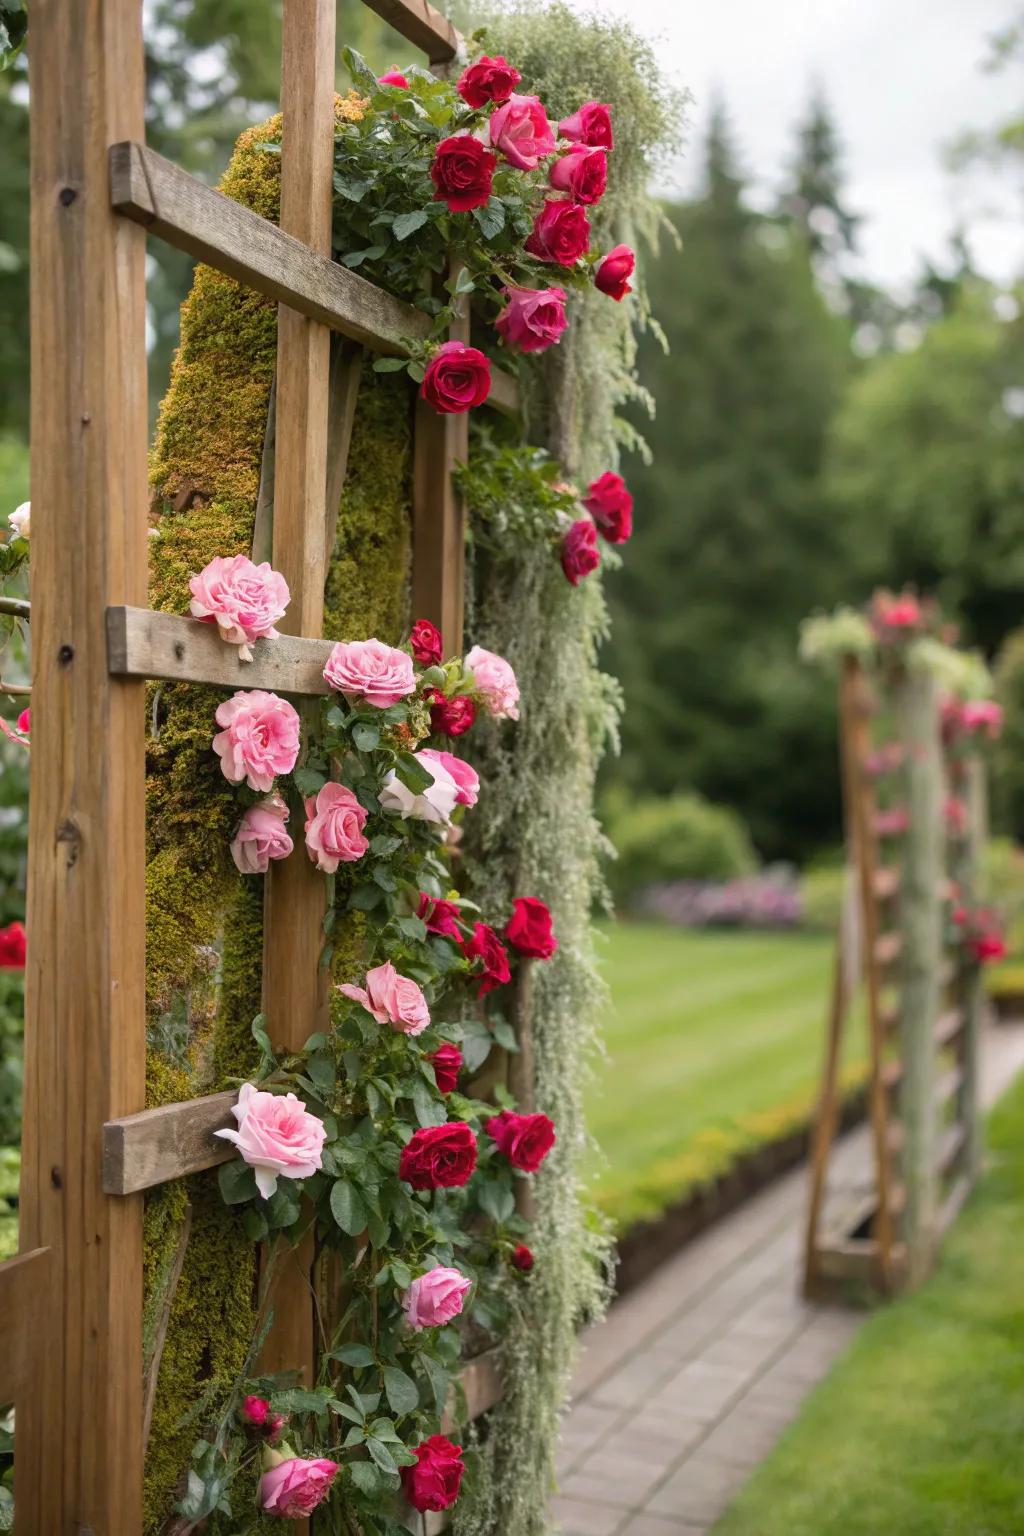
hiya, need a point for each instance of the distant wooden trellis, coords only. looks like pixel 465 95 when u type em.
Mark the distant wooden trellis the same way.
pixel 71 1302
pixel 923 1011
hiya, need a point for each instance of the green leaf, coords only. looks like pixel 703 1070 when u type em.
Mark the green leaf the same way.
pixel 302 1400
pixel 400 1391
pixel 430 1110
pixel 365 897
pixel 490 219
pixel 412 774
pixel 438 1377
pixel 353 1354
pixel 365 1476
pixel 255 1225
pixel 402 1274
pixel 496 1200
pixel 389 364
pixel 321 1071
pixel 384 876
pixel 407 224
pixel 381 1455
pixel 362 74
pixel 365 737
pixel 237 1182
pixel 282 1208
pixel 347 1207
pixel 356 258
pixel 504 1035
pixel 308 781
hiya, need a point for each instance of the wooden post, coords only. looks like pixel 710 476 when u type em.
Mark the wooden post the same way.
pixel 917 713
pixel 80 1427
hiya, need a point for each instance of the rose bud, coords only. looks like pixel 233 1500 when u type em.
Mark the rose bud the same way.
pixel 425 643
pixel 580 554
pixel 447 1063
pixel 394 77
pixel 522 1259
pixel 254 1411
pixel 614 271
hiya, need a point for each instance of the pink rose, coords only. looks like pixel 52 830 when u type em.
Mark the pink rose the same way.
pixel 487 80
pixel 261 837
pixel 613 271
pixel 456 379
pixel 580 554
pixel 611 506
pixel 392 999
pixel 19 733
pixel 294 1488
pixel 255 1410
pixel 561 232
pixel 983 716
pixel 495 682
pixel 259 740
pixel 582 172
pixel 435 1298
pixel 244 600
pixel 592 124
pixel 466 778
pixel 394 77
pixel 521 132
pixel 533 318
pixel 370 670
pixel 334 828
pixel 276 1136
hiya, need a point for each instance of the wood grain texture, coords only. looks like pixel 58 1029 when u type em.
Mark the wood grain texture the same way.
pixel 420 24
pixel 170 1142
pixel 85 1042
pixel 144 643
pixel 24 1286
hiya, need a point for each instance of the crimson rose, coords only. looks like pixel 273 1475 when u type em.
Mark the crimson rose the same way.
pixel 580 554
pixel 450 717
pixel 525 1140
pixel 529 928
pixel 462 172
pixel 614 271
pixel 447 1063
pixel 611 506
pixel 13 947
pixel 488 80
pixel 440 916
pixel 439 1156
pixel 457 378
pixel 592 124
pixel 434 1482
pixel 561 232
pixel 425 643
pixel 522 1258
pixel 486 947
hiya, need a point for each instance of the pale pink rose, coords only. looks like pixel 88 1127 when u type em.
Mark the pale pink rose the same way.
pixel 276 1136
pixel 521 132
pixel 466 778
pixel 533 318
pixel 244 600
pixel 259 740
pixel 261 837
pixel 392 999
pixel 435 1298
pixel 495 683
pixel 334 828
pixel 295 1487
pixel 20 520
pixel 370 670
pixel 433 804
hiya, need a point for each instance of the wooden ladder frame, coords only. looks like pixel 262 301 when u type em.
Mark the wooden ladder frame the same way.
pixel 71 1301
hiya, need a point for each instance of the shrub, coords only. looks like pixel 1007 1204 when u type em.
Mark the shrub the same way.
pixel 682 837
pixel 1008 762
pixel 821 891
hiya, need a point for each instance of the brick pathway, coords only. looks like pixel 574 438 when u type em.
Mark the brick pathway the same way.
pixel 691 1379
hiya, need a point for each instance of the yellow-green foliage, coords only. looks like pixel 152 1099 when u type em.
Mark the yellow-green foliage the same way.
pixel 204 921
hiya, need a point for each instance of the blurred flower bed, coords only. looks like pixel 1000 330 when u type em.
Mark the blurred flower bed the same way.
pixel 769 900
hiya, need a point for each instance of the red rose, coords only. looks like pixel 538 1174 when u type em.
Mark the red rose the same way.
pixel 522 1258
pixel 457 378
pixel 439 1157
pixel 614 271
pixel 425 641
pixel 12 947
pixel 988 946
pixel 447 1064
pixel 486 947
pixel 488 80
pixel 592 124
pixel 611 506
pixel 561 232
pixel 525 1140
pixel 529 928
pixel 440 916
pixel 394 77
pixel 462 172
pixel 450 717
pixel 580 554
pixel 582 172
pixel 434 1482
pixel 255 1410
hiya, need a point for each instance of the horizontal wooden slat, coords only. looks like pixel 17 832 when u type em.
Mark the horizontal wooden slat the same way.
pixel 951 1144
pixel 480 1379
pixel 857 1259
pixel 157 1145
pixel 143 643
pixel 24 1282
pixel 888 947
pixel 420 25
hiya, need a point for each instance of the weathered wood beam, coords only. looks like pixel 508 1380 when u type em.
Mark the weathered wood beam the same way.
pixel 421 25
pixel 157 1145
pixel 144 643
pixel 24 1286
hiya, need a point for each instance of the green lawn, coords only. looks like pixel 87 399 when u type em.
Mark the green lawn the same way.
pixel 714 1045
pixel 918 1430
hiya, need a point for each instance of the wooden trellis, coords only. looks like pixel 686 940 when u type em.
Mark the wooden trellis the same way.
pixel 71 1302
pixel 922 1012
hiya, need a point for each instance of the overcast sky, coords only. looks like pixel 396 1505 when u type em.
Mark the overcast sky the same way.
pixel 903 77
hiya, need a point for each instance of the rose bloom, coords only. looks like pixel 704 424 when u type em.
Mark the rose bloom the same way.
pixel 435 1298
pixel 433 804
pixel 462 172
pixel 425 643
pixel 582 172
pixel 244 600
pixel 495 682
pixel 261 837
pixel 294 1488
pixel 897 613
pixel 19 733
pixel 521 131
pixel 456 379
pixel 522 1259
pixel 892 823
pixel 525 1140
pixel 487 80
pixel 334 828
pixel 20 520
pixel 450 717
pixel 529 928
pixel 24 720
pixel 533 318
pixel 485 946
pixel 394 77
pixel 954 812
pixel 370 670
pixel 561 232
pixel 259 739
pixel 592 125
pixel 439 1156
pixel 613 271
pixel 277 1136
pixel 434 1482
pixel 611 506
pixel 580 554
pixel 983 716
pixel 440 916
pixel 467 779
pixel 988 946
pixel 13 947
pixel 392 999
pixel 255 1410
pixel 447 1064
